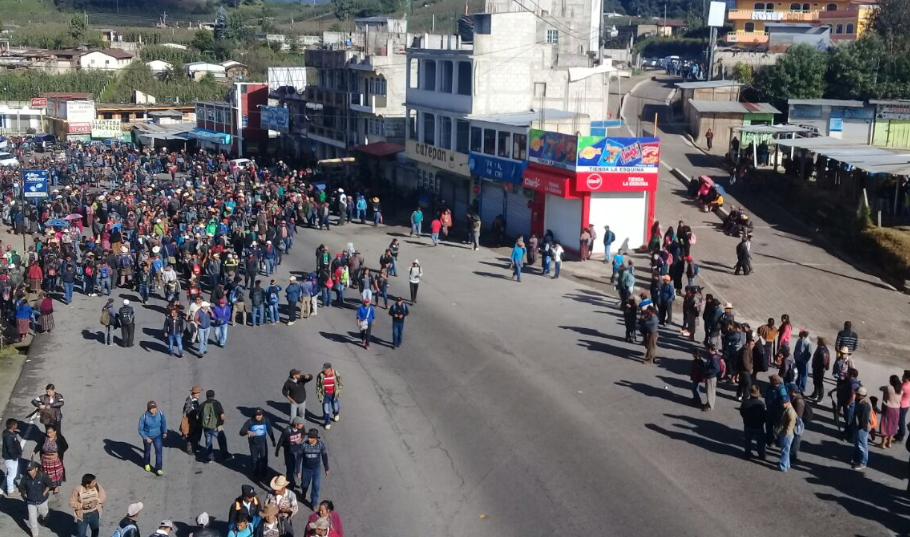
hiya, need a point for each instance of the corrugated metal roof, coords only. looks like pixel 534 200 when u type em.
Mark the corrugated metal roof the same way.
pixel 732 107
pixel 863 156
pixel 771 129
pixel 892 102
pixel 525 119
pixel 827 102
pixel 709 84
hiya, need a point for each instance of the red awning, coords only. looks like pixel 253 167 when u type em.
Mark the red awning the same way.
pixel 380 149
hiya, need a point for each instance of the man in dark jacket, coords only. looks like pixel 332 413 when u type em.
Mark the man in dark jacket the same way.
pixel 293 293
pixel 314 462
pixel 257 300
pixel 127 317
pixel 173 331
pixel 647 325
pixel 256 429
pixel 744 256
pixel 754 416
pixel 292 440
pixel 712 371
pixel 12 453
pixel 35 487
pixel 247 504
pixel 202 528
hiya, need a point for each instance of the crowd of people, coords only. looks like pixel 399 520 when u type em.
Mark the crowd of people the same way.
pixel 775 410
pixel 206 237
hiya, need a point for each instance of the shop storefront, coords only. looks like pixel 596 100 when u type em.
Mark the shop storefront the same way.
pixel 450 176
pixel 501 192
pixel 593 180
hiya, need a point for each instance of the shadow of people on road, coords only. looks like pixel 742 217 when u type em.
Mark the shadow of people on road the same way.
pixel 123 451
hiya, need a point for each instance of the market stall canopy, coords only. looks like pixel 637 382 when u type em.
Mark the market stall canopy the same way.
pixel 863 156
pixel 772 129
pixel 380 149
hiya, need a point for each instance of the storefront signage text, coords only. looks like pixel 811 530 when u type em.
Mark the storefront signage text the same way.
pixel 498 169
pixel 441 158
pixel 894 112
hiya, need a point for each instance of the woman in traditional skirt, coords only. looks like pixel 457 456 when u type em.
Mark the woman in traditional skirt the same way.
pixel 52 447
pixel 35 276
pixel 46 308
pixel 23 317
pixel 891 408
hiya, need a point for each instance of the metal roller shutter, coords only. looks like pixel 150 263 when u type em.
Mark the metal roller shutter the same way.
pixel 460 203
pixel 563 217
pixel 491 203
pixel 518 214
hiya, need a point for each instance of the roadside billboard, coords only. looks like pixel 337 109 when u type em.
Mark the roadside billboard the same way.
pixel 552 149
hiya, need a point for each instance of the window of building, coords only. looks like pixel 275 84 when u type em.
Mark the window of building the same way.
pixel 448 74
pixel 839 28
pixel 376 86
pixel 759 6
pixel 429 128
pixel 519 146
pixel 429 75
pixel 503 143
pixel 489 141
pixel 850 28
pixel 796 7
pixel 414 74
pixel 465 78
pixel 462 133
pixel 375 126
pixel 831 7
pixel 476 139
pixel 108 115
pixel 807 7
pixel 107 62
pixel 412 126
pixel 540 89
pixel 552 37
pixel 445 132
pixel 749 27
pixel 124 118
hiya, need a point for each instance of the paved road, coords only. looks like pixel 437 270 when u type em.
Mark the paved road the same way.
pixel 512 409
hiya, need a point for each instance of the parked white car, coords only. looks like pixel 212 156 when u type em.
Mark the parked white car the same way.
pixel 7 159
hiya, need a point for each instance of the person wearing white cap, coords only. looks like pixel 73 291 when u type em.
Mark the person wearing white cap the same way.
pixel 202 527
pixel 203 321
pixel 414 275
pixel 127 317
pixel 128 526
pixel 165 527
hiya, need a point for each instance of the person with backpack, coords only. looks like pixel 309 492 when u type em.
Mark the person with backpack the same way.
pixel 153 430
pixel 104 278
pixel 257 300
pixel 211 417
pixel 128 526
pixel 273 298
pixel 87 501
pixel 127 319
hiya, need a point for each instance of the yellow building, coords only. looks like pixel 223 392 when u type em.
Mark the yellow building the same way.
pixel 848 19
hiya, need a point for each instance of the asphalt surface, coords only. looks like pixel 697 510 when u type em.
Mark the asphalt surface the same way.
pixel 511 409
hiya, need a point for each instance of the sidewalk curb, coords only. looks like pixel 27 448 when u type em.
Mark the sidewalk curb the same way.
pixel 686 180
pixel 11 369
pixel 622 104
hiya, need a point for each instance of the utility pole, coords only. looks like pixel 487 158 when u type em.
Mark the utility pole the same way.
pixel 600 45
pixel 712 41
pixel 407 25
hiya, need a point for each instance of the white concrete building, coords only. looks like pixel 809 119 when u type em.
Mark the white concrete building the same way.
pixel 19 118
pixel 506 70
pixel 197 70
pixel 570 26
pixel 111 59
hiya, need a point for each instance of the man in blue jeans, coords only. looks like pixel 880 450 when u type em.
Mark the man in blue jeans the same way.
pixel 398 311
pixel 211 417
pixel 862 424
pixel 173 331
pixel 257 300
pixel 203 321
pixel 153 430
pixel 315 458
pixel 416 222
pixel 68 276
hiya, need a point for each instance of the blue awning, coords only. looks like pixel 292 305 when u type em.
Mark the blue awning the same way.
pixel 206 135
